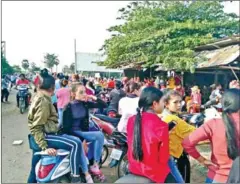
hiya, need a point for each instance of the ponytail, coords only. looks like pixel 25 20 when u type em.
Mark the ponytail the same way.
pixel 231 136
pixel 231 104
pixel 137 141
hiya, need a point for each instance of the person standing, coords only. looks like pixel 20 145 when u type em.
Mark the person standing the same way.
pixel 4 92
pixel 63 98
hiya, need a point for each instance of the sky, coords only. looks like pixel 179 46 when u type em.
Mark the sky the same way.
pixel 32 29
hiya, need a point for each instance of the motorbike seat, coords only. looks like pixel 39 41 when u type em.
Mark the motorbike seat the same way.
pixel 113 121
pixel 131 178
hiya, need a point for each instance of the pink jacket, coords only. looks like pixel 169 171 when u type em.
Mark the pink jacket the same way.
pixel 63 96
pixel 213 130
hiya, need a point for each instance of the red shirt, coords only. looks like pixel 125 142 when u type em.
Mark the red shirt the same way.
pixel 111 84
pixel 155 145
pixel 214 130
pixel 36 81
pixel 24 81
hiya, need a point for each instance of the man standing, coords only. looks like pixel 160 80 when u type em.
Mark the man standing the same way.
pixel 4 91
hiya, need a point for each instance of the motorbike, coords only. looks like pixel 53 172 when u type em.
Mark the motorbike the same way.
pixel 53 169
pixel 132 178
pixel 119 154
pixel 115 140
pixel 24 98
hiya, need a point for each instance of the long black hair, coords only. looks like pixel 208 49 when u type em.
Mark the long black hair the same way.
pixel 147 97
pixel 132 86
pixel 46 81
pixel 231 104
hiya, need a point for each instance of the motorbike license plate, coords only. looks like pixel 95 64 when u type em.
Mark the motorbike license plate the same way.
pixel 116 154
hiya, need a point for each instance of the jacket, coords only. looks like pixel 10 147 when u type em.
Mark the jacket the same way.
pixel 177 134
pixel 155 147
pixel 115 96
pixel 68 116
pixel 42 118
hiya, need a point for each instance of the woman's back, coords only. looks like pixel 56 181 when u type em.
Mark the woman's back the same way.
pixel 215 131
pixel 219 146
pixel 127 108
pixel 154 145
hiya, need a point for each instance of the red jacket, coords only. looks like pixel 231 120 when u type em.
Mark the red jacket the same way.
pixel 155 145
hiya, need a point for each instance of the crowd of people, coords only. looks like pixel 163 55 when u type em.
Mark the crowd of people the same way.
pixel 159 141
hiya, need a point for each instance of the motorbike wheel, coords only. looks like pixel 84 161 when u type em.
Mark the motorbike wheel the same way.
pixel 105 153
pixel 22 106
pixel 122 167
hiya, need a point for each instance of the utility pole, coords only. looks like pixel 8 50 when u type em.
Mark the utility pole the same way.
pixel 3 48
pixel 75 55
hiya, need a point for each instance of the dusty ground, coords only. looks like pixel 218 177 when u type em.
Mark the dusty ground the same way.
pixel 16 159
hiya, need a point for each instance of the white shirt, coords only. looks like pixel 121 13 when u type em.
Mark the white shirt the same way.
pixel 127 108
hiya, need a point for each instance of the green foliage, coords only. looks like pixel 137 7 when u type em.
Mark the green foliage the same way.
pixel 72 67
pixel 34 67
pixel 50 60
pixel 6 68
pixel 17 68
pixel 166 32
pixel 25 64
pixel 66 69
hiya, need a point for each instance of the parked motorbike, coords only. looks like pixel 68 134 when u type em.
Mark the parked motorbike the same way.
pixel 24 98
pixel 53 169
pixel 119 154
pixel 115 140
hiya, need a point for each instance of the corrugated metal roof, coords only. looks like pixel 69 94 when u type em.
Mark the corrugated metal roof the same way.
pixel 218 57
pixel 217 44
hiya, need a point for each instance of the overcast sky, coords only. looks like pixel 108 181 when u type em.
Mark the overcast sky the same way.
pixel 31 29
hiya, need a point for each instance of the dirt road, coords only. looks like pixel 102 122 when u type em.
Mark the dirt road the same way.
pixel 16 159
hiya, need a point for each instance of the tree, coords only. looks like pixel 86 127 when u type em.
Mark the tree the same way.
pixel 50 60
pixel 25 64
pixel 72 67
pixel 57 63
pixel 65 69
pixel 166 33
pixel 6 68
pixel 17 68
pixel 34 67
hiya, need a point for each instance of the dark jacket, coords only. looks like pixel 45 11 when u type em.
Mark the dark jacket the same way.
pixel 68 117
pixel 115 96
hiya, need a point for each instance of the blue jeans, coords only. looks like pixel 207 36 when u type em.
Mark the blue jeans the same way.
pixel 97 139
pixel 67 142
pixel 60 117
pixel 209 180
pixel 174 170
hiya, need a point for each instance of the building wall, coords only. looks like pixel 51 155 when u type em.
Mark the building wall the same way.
pixel 84 63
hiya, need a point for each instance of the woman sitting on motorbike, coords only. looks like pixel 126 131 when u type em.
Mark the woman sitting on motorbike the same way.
pixel 223 134
pixel 147 138
pixel 76 122
pixel 43 125
pixel 128 105
pixel 172 102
